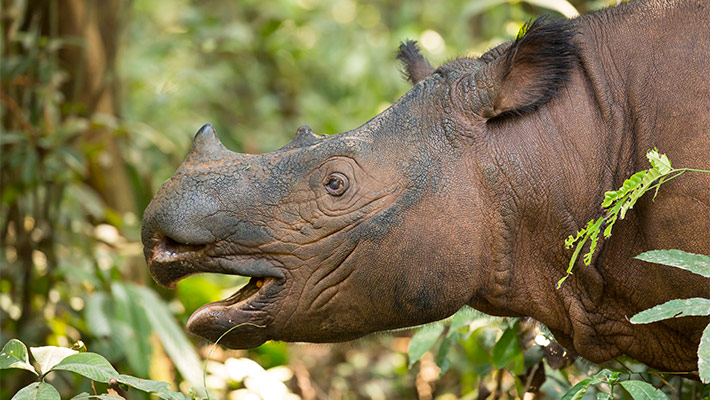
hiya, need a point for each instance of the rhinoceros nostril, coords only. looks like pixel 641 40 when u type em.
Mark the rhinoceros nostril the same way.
pixel 168 249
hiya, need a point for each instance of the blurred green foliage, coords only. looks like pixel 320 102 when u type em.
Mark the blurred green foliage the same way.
pixel 71 264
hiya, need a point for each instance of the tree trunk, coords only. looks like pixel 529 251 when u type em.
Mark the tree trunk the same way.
pixel 92 88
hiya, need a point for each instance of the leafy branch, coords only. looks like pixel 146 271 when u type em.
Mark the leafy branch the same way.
pixel 637 389
pixel 698 306
pixel 618 202
pixel 90 365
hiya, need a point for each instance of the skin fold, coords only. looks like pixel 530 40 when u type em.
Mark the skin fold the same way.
pixel 462 192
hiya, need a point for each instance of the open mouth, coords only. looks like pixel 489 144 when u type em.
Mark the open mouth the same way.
pixel 170 261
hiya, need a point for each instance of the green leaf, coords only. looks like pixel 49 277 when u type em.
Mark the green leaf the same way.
pixel 626 205
pixel 9 362
pixel 651 175
pixel 462 318
pixel 90 365
pixel 632 183
pixel 506 348
pixel 604 374
pixel 659 161
pixel 609 197
pixel 423 340
pixel 621 201
pixel 14 355
pixel 37 391
pixel 96 313
pixel 442 360
pixel 586 232
pixel 145 385
pixel 135 330
pixel 174 340
pixel 16 349
pixel 640 390
pixel 578 391
pixel 49 356
pixel 594 237
pixel 87 396
pixel 609 225
pixel 695 263
pixel 673 309
pixel 704 356
pixel 180 396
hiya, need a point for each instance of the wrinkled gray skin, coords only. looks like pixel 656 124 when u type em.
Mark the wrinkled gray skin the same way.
pixel 462 193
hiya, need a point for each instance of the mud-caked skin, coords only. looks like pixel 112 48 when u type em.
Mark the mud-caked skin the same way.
pixel 463 192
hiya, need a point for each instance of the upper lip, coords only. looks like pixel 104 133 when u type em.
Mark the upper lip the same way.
pixel 170 261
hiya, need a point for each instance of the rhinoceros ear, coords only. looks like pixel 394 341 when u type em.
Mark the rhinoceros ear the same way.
pixel 529 71
pixel 416 67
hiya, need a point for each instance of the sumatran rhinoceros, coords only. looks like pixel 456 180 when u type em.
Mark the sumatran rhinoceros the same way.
pixel 462 192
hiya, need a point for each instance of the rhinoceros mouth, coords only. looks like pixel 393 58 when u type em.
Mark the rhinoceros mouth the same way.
pixel 170 261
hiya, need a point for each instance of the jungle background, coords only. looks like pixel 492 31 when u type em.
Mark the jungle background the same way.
pixel 99 101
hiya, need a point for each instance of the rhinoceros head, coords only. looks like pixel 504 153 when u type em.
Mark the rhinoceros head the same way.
pixel 381 227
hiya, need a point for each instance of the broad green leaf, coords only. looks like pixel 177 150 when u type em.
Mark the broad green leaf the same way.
pixel 462 318
pixel 606 374
pixel 90 365
pixel 640 390
pixel 442 359
pixel 134 331
pixel 14 355
pixel 627 205
pixel 659 161
pixel 17 349
pixel 604 396
pixel 506 348
pixel 578 391
pixel 696 263
pixel 673 309
pixel 704 356
pixel 594 238
pixel 179 396
pixel 609 225
pixel 423 340
pixel 49 356
pixel 632 183
pixel 96 313
pixel 10 362
pixel 87 396
pixel 159 388
pixel 37 391
pixel 651 175
pixel 609 197
pixel 174 340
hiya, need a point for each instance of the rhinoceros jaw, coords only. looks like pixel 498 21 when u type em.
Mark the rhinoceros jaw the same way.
pixel 241 310
pixel 244 293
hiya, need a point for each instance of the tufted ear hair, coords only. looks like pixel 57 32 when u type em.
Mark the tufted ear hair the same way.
pixel 416 67
pixel 528 72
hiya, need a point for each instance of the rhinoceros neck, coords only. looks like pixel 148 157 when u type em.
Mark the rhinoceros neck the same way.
pixel 641 84
pixel 644 64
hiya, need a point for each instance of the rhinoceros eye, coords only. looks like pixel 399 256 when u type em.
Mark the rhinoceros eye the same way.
pixel 336 184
